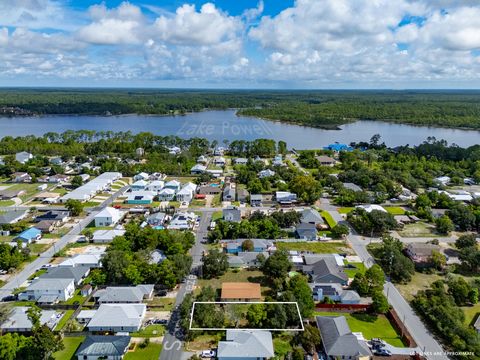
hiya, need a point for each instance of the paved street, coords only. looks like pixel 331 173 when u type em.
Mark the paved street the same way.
pixel 172 342
pixel 424 339
pixel 19 278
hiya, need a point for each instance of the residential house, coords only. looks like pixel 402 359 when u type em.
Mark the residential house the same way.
pixel 312 216
pixel 219 151
pixel 256 199
pixel 157 257
pixel 118 318
pixel 140 176
pixel 352 186
pixel 103 347
pixel 240 291
pixel 219 161
pixel 228 193
pixel 83 260
pixel 47 196
pixel 232 214
pixel 86 290
pixel 277 160
pixel 325 271
pixel 78 273
pixel 247 345
pixel 187 192
pixel 202 159
pixel 155 186
pixel 285 197
pixel 57 289
pixel 29 235
pixel 124 294
pixel 174 150
pixel 19 322
pixel 109 216
pixel 89 189
pixel 21 177
pixel 442 180
pixel 215 172
pixel 370 208
pixel 10 194
pixel 12 216
pixel 266 173
pixel 140 198
pixel 23 156
pixel 106 236
pixel 209 190
pixel 46 226
pixel 240 161
pixel 182 221
pixel 421 253
pixel 259 245
pixel 198 169
pixel 42 187
pixel 326 160
pixel 247 259
pixel 84 177
pixel 139 185
pixel 334 292
pixel 166 194
pixel 173 184
pixel 339 342
pixel 242 195
pixel 156 219
pixel 60 216
pixel 306 231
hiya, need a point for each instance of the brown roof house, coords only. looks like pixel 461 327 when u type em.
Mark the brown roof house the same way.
pixel 421 254
pixel 240 291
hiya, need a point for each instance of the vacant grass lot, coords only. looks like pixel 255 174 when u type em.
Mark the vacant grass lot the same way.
pixel 71 344
pixel 7 202
pixel 395 210
pixel 471 313
pixel 419 229
pixel 420 281
pixel 359 267
pixel 154 330
pixel 345 210
pixel 151 352
pixel 243 275
pixel 370 326
pixel 329 219
pixel 165 303
pixel 331 247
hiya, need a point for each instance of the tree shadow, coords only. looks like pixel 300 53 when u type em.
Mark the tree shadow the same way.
pixel 362 316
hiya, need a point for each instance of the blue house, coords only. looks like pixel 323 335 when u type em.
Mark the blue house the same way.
pixel 338 147
pixel 259 245
pixel 30 235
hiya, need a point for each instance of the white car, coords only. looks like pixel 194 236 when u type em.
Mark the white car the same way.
pixel 208 354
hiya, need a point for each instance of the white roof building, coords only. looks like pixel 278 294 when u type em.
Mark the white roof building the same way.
pixel 371 207
pixel 118 317
pixel 88 190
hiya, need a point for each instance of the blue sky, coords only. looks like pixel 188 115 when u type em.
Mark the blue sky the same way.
pixel 241 44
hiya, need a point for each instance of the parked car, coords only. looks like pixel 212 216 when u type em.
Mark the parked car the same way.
pixel 378 342
pixel 382 352
pixel 208 353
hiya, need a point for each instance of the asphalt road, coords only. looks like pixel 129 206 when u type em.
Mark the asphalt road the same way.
pixel 172 342
pixel 424 339
pixel 16 280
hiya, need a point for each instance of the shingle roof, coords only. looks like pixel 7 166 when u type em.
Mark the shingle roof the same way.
pixel 18 318
pixel 123 294
pixel 9 216
pixel 99 345
pixel 66 272
pixel 311 216
pixel 326 267
pixel 338 339
pixel 50 284
pixel 246 344
pixel 113 315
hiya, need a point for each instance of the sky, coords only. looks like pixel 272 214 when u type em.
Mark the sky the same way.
pixel 278 44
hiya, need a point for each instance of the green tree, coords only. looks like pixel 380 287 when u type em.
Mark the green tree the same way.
pixel 306 187
pixel 339 231
pixel 466 241
pixel 379 303
pixel 301 291
pixel 277 265
pixel 74 206
pixel 444 225
pixel 8 346
pixel 375 278
pixel 438 260
pixel 256 315
pixel 215 264
pixel 247 245
pixel 360 284
pixel 77 181
pixel 309 338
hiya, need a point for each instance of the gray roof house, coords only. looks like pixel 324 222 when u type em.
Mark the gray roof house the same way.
pixel 53 289
pixel 242 195
pixel 103 347
pixel 306 231
pixel 18 320
pixel 156 219
pixel 256 199
pixel 10 217
pixel 311 216
pixel 232 213
pixel 338 340
pixel 76 273
pixel 334 292
pixel 242 344
pixel 352 186
pixel 326 271
pixel 118 317
pixel 124 294
pixel 228 193
pixel 245 259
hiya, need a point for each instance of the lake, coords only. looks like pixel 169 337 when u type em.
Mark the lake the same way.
pixel 220 125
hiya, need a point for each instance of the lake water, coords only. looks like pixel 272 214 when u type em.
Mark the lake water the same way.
pixel 220 125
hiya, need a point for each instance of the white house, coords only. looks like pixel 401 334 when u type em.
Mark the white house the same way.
pixel 83 260
pixel 61 289
pixel 166 194
pixel 155 186
pixel 219 161
pixel 106 236
pixel 107 217
pixel 139 185
pixel 141 176
pixel 18 320
pixel 23 157
pixel 173 184
pixel 370 208
pixel 118 318
pixel 187 192
pixel 174 150
pixel 182 221
pixel 285 197
pixel 266 173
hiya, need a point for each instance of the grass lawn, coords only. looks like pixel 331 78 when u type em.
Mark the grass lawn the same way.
pixel 64 319
pixel 7 202
pixel 360 267
pixel 204 341
pixel 471 313
pixel 151 352
pixel 162 302
pixel 320 247
pixel 154 330
pixel 30 189
pixel 244 275
pixel 217 215
pixel 77 297
pixel 419 229
pixel 38 248
pixel 92 203
pixel 345 210
pixel 198 202
pixel 370 326
pixel 420 281
pixel 329 219
pixel 71 344
pixel 395 210
pixel 59 190
pixel 217 200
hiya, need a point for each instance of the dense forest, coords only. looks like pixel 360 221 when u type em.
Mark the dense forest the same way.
pixel 325 109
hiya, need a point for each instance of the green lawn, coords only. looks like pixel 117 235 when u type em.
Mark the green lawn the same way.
pixel 217 215
pixel 395 210
pixel 165 303
pixel 77 297
pixel 7 202
pixel 244 275
pixel 64 319
pixel 329 219
pixel 155 330
pixel 151 352
pixel 471 313
pixel 370 326
pixel 38 248
pixel 332 247
pixel 420 281
pixel 419 229
pixel 345 210
pixel 360 267
pixel 71 344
